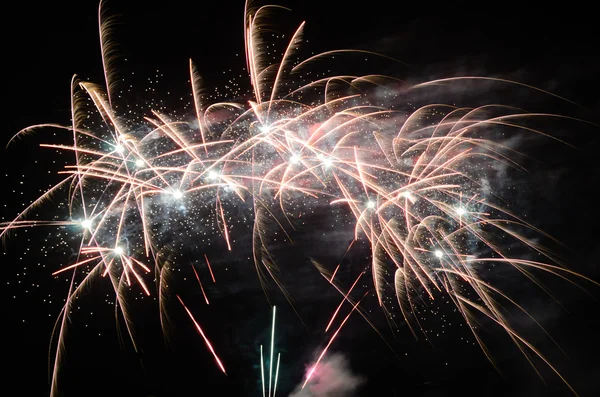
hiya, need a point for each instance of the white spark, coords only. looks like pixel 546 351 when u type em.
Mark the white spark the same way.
pixel 177 194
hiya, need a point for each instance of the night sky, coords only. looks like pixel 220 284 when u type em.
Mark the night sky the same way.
pixel 46 43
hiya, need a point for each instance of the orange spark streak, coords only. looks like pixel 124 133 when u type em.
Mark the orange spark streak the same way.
pixel 208 344
pixel 343 300
pixel 210 268
pixel 200 282
pixel 314 367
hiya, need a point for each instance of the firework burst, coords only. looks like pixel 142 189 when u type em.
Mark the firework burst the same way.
pixel 414 182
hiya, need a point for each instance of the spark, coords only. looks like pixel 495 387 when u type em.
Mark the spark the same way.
pixel 461 211
pixel 265 128
pixel 213 175
pixel 206 341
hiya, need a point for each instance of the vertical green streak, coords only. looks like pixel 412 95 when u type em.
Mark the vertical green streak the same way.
pixel 262 370
pixel 272 346
pixel 276 374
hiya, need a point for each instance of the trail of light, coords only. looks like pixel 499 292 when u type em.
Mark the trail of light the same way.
pixel 208 344
pixel 272 347
pixel 209 268
pixel 75 265
pixel 276 374
pixel 200 283
pixel 262 370
pixel 343 300
pixel 339 264
pixel 314 367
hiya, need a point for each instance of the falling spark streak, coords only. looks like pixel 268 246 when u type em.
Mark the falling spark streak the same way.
pixel 343 300
pixel 209 269
pixel 208 344
pixel 200 283
pixel 314 367
pixel 340 263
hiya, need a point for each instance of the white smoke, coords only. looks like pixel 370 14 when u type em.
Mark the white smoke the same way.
pixel 332 378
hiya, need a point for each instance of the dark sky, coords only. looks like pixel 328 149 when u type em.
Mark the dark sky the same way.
pixel 46 43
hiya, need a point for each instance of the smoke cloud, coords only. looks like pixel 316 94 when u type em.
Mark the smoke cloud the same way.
pixel 332 378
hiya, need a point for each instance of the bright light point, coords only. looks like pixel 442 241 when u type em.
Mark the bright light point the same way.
pixel 86 224
pixel 139 163
pixel 295 159
pixel 118 251
pixel 327 162
pixel 119 149
pixel 371 204
pixel 265 128
pixel 177 194
pixel 461 211
pixel 213 175
pixel 438 253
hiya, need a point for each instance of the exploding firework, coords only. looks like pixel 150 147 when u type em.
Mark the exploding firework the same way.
pixel 414 181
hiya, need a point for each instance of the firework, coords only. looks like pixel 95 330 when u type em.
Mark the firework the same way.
pixel 272 387
pixel 414 183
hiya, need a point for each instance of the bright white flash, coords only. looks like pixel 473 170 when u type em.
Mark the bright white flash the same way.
pixel 265 128
pixel 371 204
pixel 139 163
pixel 295 159
pixel 86 224
pixel 438 253
pixel 213 175
pixel 118 251
pixel 119 148
pixel 177 194
pixel 407 195
pixel 327 162
pixel 461 211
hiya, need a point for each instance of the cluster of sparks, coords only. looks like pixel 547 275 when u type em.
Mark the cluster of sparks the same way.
pixel 414 183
